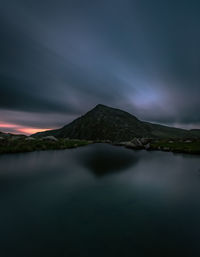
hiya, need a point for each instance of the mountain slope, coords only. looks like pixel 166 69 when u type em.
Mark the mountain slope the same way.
pixel 106 123
pixel 195 132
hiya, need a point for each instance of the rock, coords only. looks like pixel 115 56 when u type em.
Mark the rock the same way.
pixel 51 138
pixel 90 141
pixel 171 142
pixel 1 138
pixel 128 144
pixel 188 141
pixel 30 138
pixel 147 146
pixel 119 143
pixel 166 148
pixel 136 142
pixel 144 141
pixel 106 141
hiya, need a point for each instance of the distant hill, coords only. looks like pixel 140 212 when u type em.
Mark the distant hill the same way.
pixel 5 135
pixel 8 135
pixel 106 123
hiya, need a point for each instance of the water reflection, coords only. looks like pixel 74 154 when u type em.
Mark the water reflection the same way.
pixel 105 159
pixel 54 204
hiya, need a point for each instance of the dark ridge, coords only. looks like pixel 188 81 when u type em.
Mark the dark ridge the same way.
pixel 107 123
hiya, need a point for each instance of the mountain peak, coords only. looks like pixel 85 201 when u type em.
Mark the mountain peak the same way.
pixel 110 110
pixel 102 106
pixel 107 123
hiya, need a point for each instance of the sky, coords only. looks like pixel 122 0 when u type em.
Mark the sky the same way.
pixel 60 58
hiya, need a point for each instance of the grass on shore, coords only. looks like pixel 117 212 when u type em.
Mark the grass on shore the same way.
pixel 22 145
pixel 186 146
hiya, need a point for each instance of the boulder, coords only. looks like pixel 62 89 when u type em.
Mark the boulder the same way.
pixel 144 140
pixel 147 146
pixel 127 144
pixel 130 145
pixel 166 149
pixel 136 142
pixel 51 138
pixel 30 139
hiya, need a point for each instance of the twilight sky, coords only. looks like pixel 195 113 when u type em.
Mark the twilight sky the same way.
pixel 59 58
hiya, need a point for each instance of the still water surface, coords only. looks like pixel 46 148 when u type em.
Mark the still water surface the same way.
pixel 99 201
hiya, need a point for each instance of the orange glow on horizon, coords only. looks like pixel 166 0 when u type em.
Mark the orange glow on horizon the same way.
pixel 30 131
pixel 18 129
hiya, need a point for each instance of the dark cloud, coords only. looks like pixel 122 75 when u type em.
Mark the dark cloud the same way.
pixel 64 57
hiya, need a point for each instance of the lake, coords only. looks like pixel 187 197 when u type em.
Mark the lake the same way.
pixel 99 201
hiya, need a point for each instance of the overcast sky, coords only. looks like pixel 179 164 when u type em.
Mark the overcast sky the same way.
pixel 60 58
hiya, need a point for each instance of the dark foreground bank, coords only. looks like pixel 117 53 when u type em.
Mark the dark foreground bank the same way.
pixel 21 143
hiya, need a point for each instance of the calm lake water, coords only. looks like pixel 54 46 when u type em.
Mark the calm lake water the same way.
pixel 99 201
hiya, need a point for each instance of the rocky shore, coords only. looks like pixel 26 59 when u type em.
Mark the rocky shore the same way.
pixel 191 146
pixel 20 143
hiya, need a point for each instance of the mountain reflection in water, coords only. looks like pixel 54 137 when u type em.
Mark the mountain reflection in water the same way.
pixel 105 159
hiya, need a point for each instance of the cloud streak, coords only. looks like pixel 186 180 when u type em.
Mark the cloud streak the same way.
pixel 63 58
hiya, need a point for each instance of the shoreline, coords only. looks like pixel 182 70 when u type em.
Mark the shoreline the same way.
pixel 21 144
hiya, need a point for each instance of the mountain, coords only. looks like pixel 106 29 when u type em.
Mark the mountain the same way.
pixel 6 135
pixel 2 134
pixel 9 135
pixel 106 123
pixel 195 132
